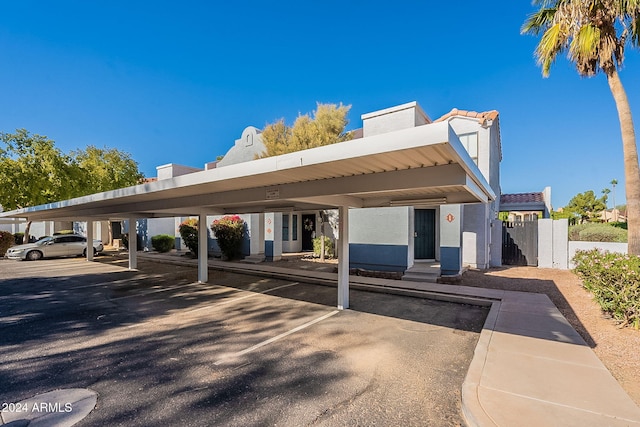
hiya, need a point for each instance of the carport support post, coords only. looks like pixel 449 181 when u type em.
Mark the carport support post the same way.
pixel 89 240
pixel 343 258
pixel 133 244
pixel 203 249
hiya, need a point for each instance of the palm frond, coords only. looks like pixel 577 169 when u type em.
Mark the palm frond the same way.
pixel 585 43
pixel 551 44
pixel 538 22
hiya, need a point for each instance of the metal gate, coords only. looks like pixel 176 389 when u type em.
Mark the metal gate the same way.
pixel 520 243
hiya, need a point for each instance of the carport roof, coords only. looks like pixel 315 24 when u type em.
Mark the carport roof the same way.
pixel 425 165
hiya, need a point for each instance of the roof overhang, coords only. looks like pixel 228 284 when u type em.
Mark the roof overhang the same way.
pixel 425 165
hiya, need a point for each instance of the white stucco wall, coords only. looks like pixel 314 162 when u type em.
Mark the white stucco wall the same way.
pixel 476 236
pixel 403 116
pixel 387 226
pixel 245 148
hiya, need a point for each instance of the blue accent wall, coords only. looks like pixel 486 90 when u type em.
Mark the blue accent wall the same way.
pixel 268 250
pixel 450 260
pixel 378 257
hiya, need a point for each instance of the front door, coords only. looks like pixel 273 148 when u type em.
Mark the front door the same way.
pixel 308 230
pixel 425 234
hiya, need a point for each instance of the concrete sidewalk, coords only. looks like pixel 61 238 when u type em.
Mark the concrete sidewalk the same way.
pixel 530 367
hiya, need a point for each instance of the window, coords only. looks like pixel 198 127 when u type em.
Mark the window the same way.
pixel 294 233
pixel 470 143
pixel 285 228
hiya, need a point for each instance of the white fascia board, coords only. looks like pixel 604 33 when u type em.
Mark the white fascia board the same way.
pixel 432 134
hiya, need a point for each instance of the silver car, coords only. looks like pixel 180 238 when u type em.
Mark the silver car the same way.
pixel 56 246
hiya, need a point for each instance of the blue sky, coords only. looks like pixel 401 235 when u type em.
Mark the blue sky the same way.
pixel 177 82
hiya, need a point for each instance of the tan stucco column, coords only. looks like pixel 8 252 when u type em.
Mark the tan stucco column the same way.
pixel 89 240
pixel 133 244
pixel 343 258
pixel 203 249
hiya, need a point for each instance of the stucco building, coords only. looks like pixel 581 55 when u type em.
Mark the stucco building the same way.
pixel 392 238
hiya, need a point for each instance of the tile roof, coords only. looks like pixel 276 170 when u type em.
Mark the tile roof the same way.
pixel 482 117
pixel 522 198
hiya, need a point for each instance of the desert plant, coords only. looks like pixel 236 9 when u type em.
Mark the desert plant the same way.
pixel 614 281
pixel 6 240
pixel 188 230
pixel 328 246
pixel 162 242
pixel 229 231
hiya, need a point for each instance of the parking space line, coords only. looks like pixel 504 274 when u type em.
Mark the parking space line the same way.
pixel 231 300
pixel 277 337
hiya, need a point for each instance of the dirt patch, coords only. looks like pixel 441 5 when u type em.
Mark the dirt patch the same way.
pixel 617 348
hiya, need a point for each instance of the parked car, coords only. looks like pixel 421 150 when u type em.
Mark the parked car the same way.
pixel 56 246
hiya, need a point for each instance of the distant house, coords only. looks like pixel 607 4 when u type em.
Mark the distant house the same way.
pixel 519 207
pixel 613 215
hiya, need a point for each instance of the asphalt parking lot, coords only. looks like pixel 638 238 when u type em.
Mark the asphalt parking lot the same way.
pixel 161 349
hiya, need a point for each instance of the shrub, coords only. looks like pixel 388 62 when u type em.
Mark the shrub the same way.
pixel 328 246
pixel 163 242
pixel 597 232
pixel 229 230
pixel 188 230
pixel 6 240
pixel 18 238
pixel 614 281
pixel 618 224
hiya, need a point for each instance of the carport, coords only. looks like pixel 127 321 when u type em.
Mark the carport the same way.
pixel 421 166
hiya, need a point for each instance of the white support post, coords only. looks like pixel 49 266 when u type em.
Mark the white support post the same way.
pixel 89 240
pixel 203 249
pixel 343 259
pixel 133 244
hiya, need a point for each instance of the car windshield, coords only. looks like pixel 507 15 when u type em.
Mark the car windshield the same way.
pixel 44 240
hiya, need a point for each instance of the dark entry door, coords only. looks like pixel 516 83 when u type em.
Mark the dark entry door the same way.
pixel 308 227
pixel 425 234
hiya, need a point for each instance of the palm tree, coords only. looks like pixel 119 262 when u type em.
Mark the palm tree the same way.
pixel 594 33
pixel 614 212
pixel 605 196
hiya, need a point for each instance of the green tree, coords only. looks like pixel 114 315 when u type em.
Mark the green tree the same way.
pixel 106 169
pixel 327 126
pixel 595 33
pixel 33 172
pixel 586 206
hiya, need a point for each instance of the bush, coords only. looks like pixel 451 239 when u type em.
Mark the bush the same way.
pixel 163 242
pixel 618 224
pixel 614 281
pixel 597 232
pixel 189 232
pixel 328 246
pixel 6 241
pixel 18 238
pixel 229 231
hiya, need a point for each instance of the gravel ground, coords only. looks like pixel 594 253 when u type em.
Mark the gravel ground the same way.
pixel 617 348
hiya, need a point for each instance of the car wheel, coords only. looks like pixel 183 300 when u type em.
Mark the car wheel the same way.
pixel 34 255
pixel 84 253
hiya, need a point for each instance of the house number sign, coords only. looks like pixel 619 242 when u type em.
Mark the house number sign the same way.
pixel 273 194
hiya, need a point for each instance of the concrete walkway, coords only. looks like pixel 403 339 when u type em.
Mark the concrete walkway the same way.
pixel 530 367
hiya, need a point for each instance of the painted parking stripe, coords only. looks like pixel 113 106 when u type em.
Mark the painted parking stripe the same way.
pixel 232 300
pixel 277 337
